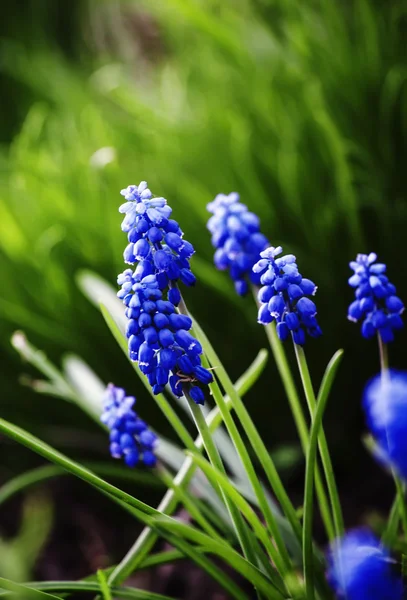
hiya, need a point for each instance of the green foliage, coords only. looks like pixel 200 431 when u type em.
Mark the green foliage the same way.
pixel 301 108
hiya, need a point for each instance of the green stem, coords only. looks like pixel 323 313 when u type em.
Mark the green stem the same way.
pixel 322 443
pixel 188 501
pixel 253 435
pixel 390 533
pixel 402 504
pixel 311 462
pixel 148 537
pixel 241 528
pixel 281 559
pixel 300 422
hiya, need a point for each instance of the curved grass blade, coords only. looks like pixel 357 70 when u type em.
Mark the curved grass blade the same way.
pixel 90 586
pixel 25 591
pixel 139 509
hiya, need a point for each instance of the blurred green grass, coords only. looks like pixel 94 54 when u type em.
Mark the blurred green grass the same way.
pixel 301 107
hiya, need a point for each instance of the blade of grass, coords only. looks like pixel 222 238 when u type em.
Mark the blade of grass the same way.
pixel 308 554
pixel 322 443
pixel 139 509
pixel 216 476
pixel 90 586
pixel 25 590
pixel 243 533
pixel 235 560
pixel 252 433
pixel 299 419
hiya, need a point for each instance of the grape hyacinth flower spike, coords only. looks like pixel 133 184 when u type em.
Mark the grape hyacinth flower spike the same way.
pixel 284 297
pixel 159 338
pixel 361 568
pixel 376 303
pixel 156 241
pixel 237 238
pixel 130 437
pixel 385 406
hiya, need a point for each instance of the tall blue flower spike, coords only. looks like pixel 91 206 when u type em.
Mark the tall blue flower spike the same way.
pixel 155 241
pixel 360 568
pixel 283 297
pixel 159 338
pixel 237 238
pixel 130 437
pixel 376 304
pixel 385 406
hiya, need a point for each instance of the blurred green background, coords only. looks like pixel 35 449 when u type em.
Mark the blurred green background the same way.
pixel 301 107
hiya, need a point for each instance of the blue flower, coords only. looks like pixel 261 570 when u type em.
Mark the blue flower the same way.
pixel 154 238
pixel 360 568
pixel 283 297
pixel 130 437
pixel 376 303
pixel 385 405
pixel 159 339
pixel 237 239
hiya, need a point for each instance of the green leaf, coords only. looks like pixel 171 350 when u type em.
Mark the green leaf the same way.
pixel 226 553
pixel 260 531
pixel 90 586
pixel 25 591
pixel 308 554
pixel 104 586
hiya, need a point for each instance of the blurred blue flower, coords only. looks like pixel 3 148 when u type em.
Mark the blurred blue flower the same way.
pixel 130 437
pixel 237 239
pixel 154 238
pixel 283 297
pixel 385 405
pixel 158 337
pixel 360 568
pixel 376 303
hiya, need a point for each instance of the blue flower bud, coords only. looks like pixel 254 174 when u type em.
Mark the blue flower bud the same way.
pixel 185 365
pixel 178 321
pixel 130 438
pixel 236 238
pixel 283 331
pixel 188 342
pixel 166 337
pixel 203 374
pixel 155 235
pixel 377 298
pixel 161 321
pixel 150 335
pixel 283 296
pixel 174 296
pixel 197 395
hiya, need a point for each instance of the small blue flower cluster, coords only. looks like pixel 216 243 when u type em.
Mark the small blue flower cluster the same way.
pixel 237 239
pixel 158 336
pixel 154 237
pixel 130 437
pixel 283 297
pixel 385 405
pixel 376 301
pixel 361 568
